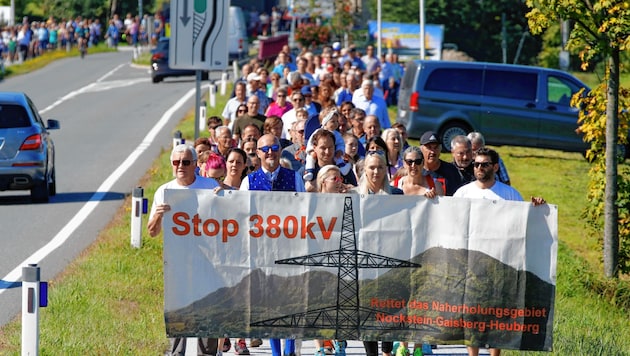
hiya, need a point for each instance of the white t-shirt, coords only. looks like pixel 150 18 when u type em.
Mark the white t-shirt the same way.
pixel 498 191
pixel 199 183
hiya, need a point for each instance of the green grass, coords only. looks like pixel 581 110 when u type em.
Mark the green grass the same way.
pixel 110 300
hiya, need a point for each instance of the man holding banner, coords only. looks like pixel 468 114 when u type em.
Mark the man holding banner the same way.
pixel 486 165
pixel 184 162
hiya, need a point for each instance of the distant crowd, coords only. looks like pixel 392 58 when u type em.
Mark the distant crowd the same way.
pixel 30 39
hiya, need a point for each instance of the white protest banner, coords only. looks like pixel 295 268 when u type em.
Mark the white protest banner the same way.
pixel 275 264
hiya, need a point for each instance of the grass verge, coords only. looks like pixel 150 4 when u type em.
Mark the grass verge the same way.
pixel 110 300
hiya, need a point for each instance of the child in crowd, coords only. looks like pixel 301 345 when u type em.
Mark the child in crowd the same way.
pixel 329 119
pixel 351 155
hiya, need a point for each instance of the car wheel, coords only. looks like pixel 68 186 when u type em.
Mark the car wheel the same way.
pixel 451 130
pixel 52 184
pixel 39 192
pixel 204 76
pixel 156 79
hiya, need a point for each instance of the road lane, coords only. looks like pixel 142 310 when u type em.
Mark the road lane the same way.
pixel 105 113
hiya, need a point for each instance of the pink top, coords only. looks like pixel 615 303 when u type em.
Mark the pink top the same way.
pixel 276 110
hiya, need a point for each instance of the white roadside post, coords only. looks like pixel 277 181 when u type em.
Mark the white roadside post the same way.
pixel 178 139
pixel 224 78
pixel 138 208
pixel 235 69
pixel 213 95
pixel 202 116
pixel 34 295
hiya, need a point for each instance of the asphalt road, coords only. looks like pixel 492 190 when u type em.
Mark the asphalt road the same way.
pixel 107 110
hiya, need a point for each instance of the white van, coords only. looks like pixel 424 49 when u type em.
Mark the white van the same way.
pixel 238 44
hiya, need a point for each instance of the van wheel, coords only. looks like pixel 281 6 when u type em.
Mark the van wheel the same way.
pixel 451 130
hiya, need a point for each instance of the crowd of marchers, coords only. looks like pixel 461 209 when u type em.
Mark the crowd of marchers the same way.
pixel 319 123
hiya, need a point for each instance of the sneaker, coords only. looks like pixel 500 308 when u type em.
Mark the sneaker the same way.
pixel 340 347
pixel 227 344
pixel 308 175
pixel 240 348
pixel 344 168
pixel 255 342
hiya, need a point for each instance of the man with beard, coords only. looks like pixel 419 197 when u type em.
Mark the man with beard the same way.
pixel 440 171
pixel 461 150
pixel 486 186
pixel 272 177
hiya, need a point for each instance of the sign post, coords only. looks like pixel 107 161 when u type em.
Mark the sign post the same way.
pixel 199 39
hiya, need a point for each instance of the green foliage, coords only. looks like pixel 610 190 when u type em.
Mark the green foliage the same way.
pixel 475 26
pixel 598 25
pixel 601 29
pixel 592 122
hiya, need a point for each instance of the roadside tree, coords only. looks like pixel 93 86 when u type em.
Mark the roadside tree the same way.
pixel 600 28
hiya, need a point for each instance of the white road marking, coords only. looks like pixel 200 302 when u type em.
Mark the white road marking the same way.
pixel 63 235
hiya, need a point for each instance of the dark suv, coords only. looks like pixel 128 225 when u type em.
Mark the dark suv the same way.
pixel 509 104
pixel 27 153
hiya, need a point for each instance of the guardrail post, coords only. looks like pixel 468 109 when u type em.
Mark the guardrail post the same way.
pixel 34 295
pixel 138 208
pixel 178 139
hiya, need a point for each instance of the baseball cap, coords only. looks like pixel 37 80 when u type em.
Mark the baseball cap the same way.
pixel 429 137
pixel 306 90
pixel 253 76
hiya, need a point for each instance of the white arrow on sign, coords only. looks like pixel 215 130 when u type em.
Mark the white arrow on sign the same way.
pixel 201 43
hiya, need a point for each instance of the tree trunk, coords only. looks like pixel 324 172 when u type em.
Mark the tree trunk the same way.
pixel 113 8
pixel 611 214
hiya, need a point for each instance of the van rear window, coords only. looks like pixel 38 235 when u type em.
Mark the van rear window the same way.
pixel 13 116
pixel 464 81
pixel 511 85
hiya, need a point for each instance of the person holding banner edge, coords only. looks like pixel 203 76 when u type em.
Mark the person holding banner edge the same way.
pixel 486 165
pixel 184 162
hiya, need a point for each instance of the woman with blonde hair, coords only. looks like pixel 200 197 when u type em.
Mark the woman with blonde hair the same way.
pixel 374 179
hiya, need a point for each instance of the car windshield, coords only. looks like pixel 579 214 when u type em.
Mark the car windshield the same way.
pixel 13 116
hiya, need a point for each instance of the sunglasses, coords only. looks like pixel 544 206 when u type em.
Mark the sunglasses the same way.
pixel 241 111
pixel 273 148
pixel 183 162
pixel 411 162
pixel 482 164
pixel 334 179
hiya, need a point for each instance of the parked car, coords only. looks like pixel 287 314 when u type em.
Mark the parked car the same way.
pixel 159 64
pixel 27 152
pixel 509 104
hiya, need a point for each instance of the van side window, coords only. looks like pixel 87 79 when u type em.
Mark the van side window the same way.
pixel 560 90
pixel 464 81
pixel 511 85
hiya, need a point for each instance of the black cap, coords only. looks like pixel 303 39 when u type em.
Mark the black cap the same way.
pixel 429 137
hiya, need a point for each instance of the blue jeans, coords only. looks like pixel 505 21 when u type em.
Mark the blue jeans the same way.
pixel 276 349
